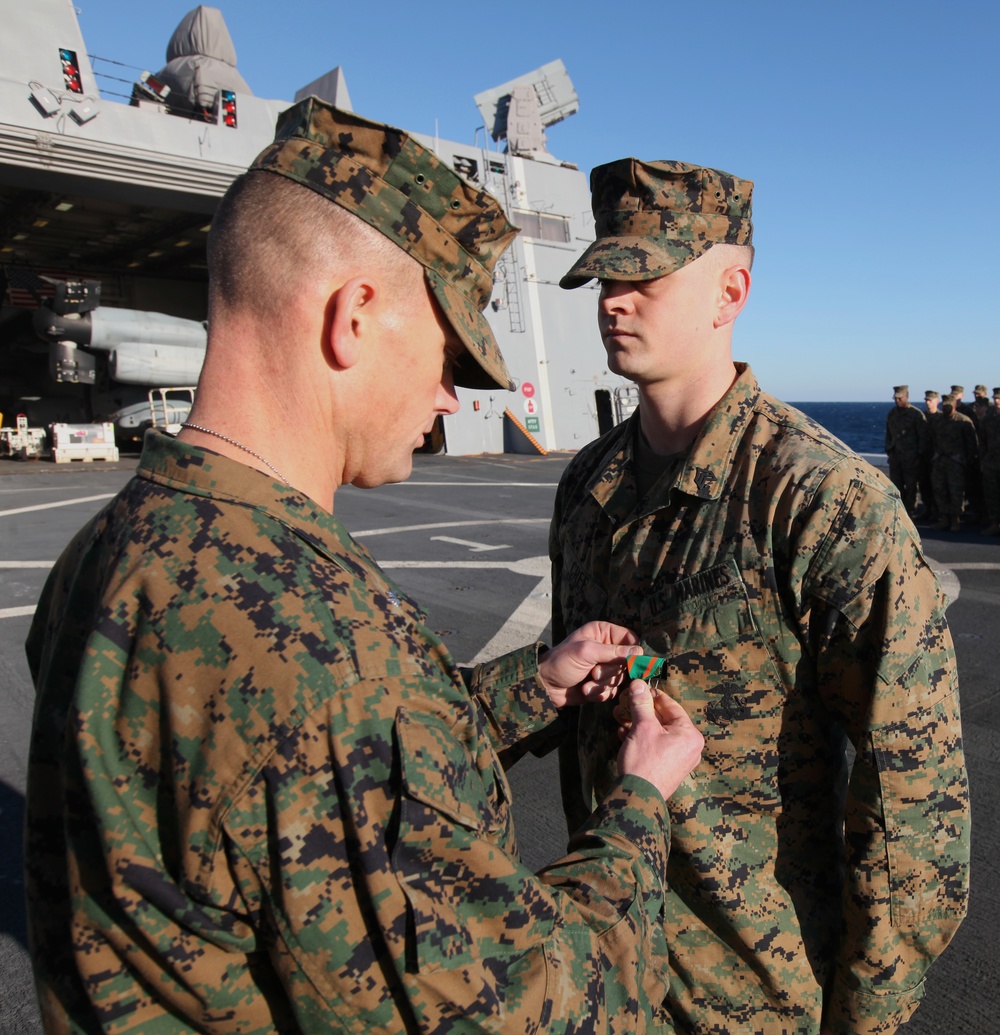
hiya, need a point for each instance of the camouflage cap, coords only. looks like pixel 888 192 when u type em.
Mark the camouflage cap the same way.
pixel 957 389
pixel 948 399
pixel 652 218
pixel 901 390
pixel 931 394
pixel 996 393
pixel 454 230
pixel 979 390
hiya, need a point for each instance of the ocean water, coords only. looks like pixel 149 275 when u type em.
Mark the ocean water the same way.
pixel 859 424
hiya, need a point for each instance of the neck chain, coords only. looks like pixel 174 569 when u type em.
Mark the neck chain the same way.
pixel 239 445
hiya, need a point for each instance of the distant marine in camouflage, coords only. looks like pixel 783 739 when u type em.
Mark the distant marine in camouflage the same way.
pixel 954 453
pixel 904 441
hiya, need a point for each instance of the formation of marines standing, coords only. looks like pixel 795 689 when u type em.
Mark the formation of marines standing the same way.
pixel 950 453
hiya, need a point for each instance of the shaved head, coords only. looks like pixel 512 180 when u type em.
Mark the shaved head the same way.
pixel 271 237
pixel 724 255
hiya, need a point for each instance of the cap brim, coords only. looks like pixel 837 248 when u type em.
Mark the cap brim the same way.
pixel 483 365
pixel 632 258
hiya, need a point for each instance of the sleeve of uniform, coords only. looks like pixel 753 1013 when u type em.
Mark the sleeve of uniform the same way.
pixel 520 711
pixel 514 700
pixel 874 615
pixel 392 880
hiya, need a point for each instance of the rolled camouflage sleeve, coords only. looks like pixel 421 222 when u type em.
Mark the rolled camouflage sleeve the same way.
pixel 886 673
pixel 513 697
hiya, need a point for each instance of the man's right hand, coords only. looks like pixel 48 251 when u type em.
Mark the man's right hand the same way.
pixel 660 743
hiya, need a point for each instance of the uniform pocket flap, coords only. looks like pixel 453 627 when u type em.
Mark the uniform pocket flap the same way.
pixel 438 771
pixel 469 895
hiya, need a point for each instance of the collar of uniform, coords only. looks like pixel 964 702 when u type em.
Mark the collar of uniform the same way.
pixel 707 466
pixel 615 493
pixel 202 472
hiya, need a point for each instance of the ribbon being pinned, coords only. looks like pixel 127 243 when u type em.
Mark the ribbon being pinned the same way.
pixel 647 667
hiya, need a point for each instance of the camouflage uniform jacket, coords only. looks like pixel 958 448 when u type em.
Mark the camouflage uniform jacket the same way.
pixel 904 432
pixel 780 577
pixel 262 798
pixel 954 438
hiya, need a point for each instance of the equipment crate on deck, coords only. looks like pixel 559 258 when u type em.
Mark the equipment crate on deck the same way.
pixel 20 441
pixel 84 442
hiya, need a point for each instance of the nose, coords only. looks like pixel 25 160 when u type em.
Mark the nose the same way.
pixel 616 296
pixel 446 400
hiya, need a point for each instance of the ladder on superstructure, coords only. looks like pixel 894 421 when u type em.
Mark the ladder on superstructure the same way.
pixel 511 267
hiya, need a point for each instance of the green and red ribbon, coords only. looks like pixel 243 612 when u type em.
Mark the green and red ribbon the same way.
pixel 643 666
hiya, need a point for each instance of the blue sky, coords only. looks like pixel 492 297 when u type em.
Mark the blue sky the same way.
pixel 870 130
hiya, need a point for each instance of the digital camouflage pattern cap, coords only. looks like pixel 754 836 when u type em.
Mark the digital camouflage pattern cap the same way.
pixel 931 394
pixel 901 390
pixel 957 389
pixel 454 230
pixel 652 218
pixel 979 390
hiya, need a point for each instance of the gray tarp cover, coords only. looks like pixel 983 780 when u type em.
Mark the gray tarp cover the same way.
pixel 201 60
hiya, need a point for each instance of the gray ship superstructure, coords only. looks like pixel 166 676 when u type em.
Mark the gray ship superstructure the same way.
pixel 105 206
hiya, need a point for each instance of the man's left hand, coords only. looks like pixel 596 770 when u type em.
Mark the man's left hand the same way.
pixel 589 665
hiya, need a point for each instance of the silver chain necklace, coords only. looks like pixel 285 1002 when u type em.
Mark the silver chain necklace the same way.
pixel 239 445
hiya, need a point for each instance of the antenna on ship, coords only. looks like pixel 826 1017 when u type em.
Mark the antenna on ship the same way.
pixel 521 109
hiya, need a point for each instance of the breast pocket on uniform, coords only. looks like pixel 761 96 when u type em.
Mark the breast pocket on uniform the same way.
pixel 718 667
pixel 455 856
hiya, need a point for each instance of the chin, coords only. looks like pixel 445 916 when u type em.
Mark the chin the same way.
pixel 619 360
pixel 385 475
pixel 622 369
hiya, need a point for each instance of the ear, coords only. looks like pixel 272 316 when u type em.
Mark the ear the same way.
pixel 734 290
pixel 349 320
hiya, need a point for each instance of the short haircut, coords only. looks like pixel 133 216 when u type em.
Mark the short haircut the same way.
pixel 270 235
pixel 732 255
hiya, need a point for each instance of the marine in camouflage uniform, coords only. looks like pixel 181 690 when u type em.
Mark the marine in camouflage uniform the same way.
pixel 781 579
pixel 903 437
pixel 973 491
pixel 989 461
pixel 261 796
pixel 958 391
pixel 955 449
pixel 926 482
